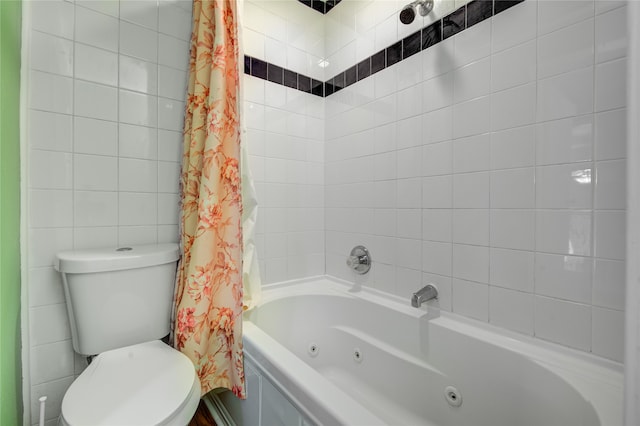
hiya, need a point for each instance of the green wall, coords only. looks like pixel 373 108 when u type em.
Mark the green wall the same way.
pixel 10 352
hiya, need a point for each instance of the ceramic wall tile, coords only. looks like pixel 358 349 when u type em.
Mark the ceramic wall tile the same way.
pixel 563 322
pixel 91 136
pixel 470 299
pixel 564 277
pixel 139 42
pixel 173 52
pixel 513 148
pixel 563 232
pixel 564 187
pixel 557 15
pixel 472 81
pixel 136 175
pixel 472 154
pixel 610 238
pixel 611 134
pixel 95 172
pixel 511 309
pixel 513 107
pixel 50 208
pixel 50 92
pixel 50 170
pixel 141 13
pixel 137 208
pixel 96 65
pixel 141 76
pixel 107 7
pixel 514 66
pixel 471 263
pixel 53 17
pixel 565 95
pixel 513 188
pixel 514 26
pixel 50 131
pixel 512 269
pixel 608 340
pixel 567 49
pixel 51 361
pixel 609 284
pixel 95 101
pixel 471 226
pixel 569 140
pixel 51 54
pixel 610 85
pixel 512 229
pixel 137 108
pixel 96 29
pixel 95 208
pixel 610 35
pixel 611 185
pixel 138 142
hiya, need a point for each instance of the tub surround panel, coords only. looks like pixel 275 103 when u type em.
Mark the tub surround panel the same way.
pixel 520 177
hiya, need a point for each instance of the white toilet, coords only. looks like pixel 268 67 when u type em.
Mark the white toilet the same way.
pixel 119 305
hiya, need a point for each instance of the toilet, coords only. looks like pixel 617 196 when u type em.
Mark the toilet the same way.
pixel 119 306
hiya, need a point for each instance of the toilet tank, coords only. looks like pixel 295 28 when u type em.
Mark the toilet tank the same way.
pixel 118 297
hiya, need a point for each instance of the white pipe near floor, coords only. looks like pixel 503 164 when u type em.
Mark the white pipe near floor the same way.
pixel 43 401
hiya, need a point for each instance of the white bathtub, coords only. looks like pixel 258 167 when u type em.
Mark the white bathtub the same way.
pixel 355 358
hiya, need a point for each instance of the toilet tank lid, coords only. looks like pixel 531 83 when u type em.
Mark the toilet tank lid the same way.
pixel 115 259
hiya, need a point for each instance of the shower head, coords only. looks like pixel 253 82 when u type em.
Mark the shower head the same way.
pixel 408 13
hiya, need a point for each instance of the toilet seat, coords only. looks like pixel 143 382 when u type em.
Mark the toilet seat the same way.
pixel 145 384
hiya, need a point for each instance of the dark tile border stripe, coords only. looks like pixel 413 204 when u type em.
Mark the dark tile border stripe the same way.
pixel 320 5
pixel 275 74
pixel 466 16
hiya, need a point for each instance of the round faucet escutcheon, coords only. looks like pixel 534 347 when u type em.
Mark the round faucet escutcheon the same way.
pixel 359 260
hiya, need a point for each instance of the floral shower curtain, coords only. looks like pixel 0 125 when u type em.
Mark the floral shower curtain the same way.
pixel 208 301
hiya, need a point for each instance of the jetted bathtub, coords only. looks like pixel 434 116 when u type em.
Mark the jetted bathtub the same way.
pixel 349 356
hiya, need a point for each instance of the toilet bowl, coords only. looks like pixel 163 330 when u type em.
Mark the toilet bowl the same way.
pixel 144 384
pixel 119 306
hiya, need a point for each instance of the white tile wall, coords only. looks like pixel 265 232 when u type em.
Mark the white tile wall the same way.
pixel 285 33
pixel 100 171
pixel 521 177
pixel 286 159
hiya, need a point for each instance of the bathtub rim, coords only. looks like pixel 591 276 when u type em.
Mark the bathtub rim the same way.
pixel 398 303
pixel 578 368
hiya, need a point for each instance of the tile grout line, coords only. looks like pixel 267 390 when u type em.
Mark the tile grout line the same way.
pixel 592 245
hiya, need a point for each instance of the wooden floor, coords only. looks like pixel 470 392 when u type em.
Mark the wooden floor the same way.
pixel 202 416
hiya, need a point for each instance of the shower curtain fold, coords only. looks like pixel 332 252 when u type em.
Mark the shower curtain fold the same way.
pixel 209 289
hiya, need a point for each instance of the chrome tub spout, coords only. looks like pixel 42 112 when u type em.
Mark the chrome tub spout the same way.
pixel 425 294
